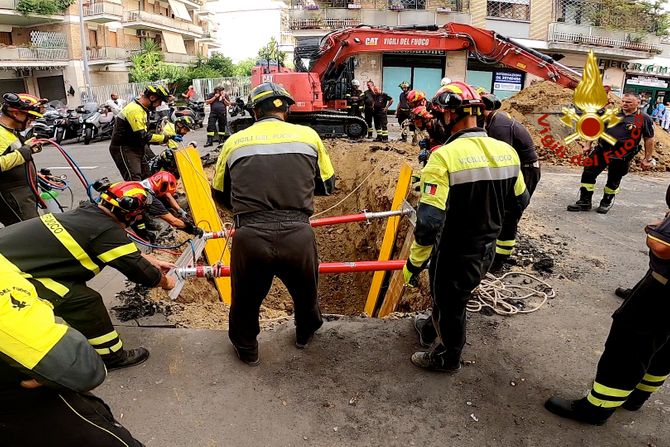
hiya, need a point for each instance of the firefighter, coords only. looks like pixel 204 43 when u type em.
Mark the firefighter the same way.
pixel 163 186
pixel 218 115
pixel 130 138
pixel 634 127
pixel 432 131
pixel 636 359
pixel 354 98
pixel 403 112
pixel 181 126
pixel 17 200
pixel 501 126
pixel 267 175
pixel 68 249
pixel 368 103
pixel 466 187
pixel 46 372
pixel 380 108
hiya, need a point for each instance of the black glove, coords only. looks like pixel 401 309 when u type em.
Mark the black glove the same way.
pixel 26 152
pixel 192 229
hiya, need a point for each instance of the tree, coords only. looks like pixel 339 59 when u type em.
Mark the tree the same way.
pixel 221 64
pixel 270 52
pixel 641 16
pixel 243 67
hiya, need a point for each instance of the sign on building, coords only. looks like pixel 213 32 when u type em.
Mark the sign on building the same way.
pixel 507 81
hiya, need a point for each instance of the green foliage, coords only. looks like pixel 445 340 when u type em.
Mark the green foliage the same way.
pixel 221 64
pixel 243 67
pixel 43 7
pixel 270 52
pixel 636 16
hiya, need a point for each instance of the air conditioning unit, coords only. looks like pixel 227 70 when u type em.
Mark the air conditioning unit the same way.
pixel 142 33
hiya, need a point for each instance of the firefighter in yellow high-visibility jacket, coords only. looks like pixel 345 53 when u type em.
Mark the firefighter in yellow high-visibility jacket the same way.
pixel 46 371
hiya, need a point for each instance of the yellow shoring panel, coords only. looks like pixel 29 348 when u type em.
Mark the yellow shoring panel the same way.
pixel 203 210
pixel 389 236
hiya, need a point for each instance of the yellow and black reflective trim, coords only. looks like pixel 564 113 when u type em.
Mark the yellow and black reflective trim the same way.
pixel 607 397
pixel 70 244
pixel 56 287
pixel 419 254
pixel 611 191
pixel 505 247
pixel 651 383
pixel 104 338
pixel 589 186
pixel 117 252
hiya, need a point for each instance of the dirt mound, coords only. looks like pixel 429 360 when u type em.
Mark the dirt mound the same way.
pixel 548 98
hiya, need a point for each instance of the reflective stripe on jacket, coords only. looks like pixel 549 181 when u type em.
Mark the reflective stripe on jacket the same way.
pixel 273 165
pixel 12 172
pixel 130 128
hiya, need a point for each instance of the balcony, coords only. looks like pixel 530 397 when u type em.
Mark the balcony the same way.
pixel 103 12
pixel 107 56
pixel 23 57
pixel 10 16
pixel 211 38
pixel 602 41
pixel 326 19
pixel 176 58
pixel 157 22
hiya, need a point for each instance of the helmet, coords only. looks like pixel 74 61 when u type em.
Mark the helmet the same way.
pixel 457 96
pixel 166 161
pixel 269 90
pixel 128 198
pixel 23 102
pixel 356 83
pixel 421 112
pixel 185 121
pixel 163 182
pixel 445 81
pixel 415 97
pixel 158 90
pixel 491 101
pixel 404 84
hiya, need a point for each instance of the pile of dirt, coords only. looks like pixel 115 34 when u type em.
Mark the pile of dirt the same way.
pixel 549 98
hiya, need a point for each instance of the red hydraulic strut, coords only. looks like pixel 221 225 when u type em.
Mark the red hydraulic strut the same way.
pixel 217 271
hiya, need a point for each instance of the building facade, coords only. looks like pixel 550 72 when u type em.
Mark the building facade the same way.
pixel 43 54
pixel 564 29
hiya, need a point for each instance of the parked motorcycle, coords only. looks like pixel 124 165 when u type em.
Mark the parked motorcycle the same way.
pixel 238 108
pixel 198 108
pixel 44 127
pixel 72 126
pixel 99 125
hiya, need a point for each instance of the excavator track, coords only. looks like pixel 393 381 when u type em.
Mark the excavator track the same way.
pixel 326 124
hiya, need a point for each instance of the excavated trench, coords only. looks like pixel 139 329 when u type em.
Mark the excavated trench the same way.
pixel 366 176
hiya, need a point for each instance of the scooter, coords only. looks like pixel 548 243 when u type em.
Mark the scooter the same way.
pixel 99 125
pixel 72 126
pixel 198 108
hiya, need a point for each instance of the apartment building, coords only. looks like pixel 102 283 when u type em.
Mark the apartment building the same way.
pixel 565 29
pixel 42 54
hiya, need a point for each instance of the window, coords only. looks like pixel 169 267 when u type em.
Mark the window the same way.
pixel 407 4
pixel 5 38
pixel 508 9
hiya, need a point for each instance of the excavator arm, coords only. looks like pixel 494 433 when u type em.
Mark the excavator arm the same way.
pixel 487 46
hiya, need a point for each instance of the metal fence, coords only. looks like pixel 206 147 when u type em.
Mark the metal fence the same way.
pixel 102 93
pixel 235 87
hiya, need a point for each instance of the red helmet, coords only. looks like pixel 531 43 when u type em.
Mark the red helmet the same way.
pixel 421 113
pixel 163 182
pixel 415 98
pixel 457 96
pixel 130 198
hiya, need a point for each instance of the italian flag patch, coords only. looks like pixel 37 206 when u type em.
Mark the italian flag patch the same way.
pixel 429 188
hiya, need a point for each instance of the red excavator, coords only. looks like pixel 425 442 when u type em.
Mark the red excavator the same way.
pixel 318 89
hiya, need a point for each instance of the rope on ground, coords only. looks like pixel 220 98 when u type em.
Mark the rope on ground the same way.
pixel 348 195
pixel 506 298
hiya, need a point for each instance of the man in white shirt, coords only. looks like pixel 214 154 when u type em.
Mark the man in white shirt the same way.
pixel 115 103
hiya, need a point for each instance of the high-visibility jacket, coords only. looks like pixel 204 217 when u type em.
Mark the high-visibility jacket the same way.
pixel 33 345
pixel 466 186
pixel 273 165
pixel 72 247
pixel 130 128
pixel 169 130
pixel 13 155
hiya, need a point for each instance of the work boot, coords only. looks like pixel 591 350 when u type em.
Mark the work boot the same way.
pixel 498 263
pixel 302 340
pixel 369 135
pixel 606 203
pixel 424 327
pixel 623 293
pixel 433 362
pixel 210 142
pixel 579 410
pixel 636 400
pixel 125 358
pixel 584 202
pixel 247 356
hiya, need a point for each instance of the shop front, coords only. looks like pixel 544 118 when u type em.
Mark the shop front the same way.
pixel 422 71
pixel 498 79
pixel 649 78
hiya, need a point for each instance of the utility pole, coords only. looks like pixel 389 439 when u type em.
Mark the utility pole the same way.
pixel 84 54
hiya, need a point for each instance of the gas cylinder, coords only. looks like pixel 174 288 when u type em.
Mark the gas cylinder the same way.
pixel 49 198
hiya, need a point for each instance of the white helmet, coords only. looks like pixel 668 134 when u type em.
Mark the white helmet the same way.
pixel 445 81
pixel 356 83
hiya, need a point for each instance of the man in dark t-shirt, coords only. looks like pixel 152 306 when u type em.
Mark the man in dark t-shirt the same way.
pixel 634 127
pixel 218 116
pixel 380 106
pixel 636 359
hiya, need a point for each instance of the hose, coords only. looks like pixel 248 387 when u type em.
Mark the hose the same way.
pixel 505 298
